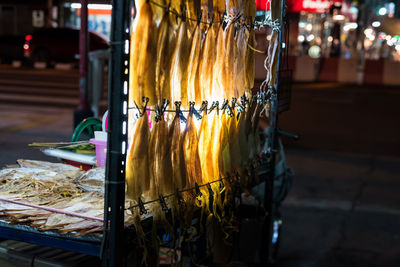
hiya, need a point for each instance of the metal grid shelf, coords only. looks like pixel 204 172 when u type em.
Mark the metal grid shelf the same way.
pixel 89 244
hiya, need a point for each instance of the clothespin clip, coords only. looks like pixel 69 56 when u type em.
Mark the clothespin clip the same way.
pixel 204 106
pixel 197 188
pixel 164 106
pixel 237 175
pixel 215 105
pixel 164 206
pixel 240 107
pixel 178 106
pixel 145 100
pixel 141 207
pixel 143 110
pixel 226 106
pixel 210 191
pixel 184 13
pixel 259 98
pixel 179 111
pixel 234 100
pixel 221 184
pixel 244 100
pixel 179 197
pixel 157 116
pixel 210 196
pixel 199 17
pixel 192 110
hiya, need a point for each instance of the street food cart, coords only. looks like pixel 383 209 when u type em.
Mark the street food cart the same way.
pixel 184 147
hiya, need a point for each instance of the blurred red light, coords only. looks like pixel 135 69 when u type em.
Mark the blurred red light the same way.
pixel 28 37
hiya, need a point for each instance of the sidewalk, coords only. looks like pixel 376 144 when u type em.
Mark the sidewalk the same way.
pixel 22 126
pixel 343 210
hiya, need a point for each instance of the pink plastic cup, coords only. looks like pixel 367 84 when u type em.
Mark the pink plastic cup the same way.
pixel 101 151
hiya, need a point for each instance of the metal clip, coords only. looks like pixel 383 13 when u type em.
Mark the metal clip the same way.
pixel 164 206
pixel 215 105
pixel 244 100
pixel 164 106
pixel 204 106
pixel 221 184
pixel 237 175
pixel 227 108
pixel 210 196
pixel 141 207
pixel 210 191
pixel 239 107
pixel 199 18
pixel 179 196
pixel 192 110
pixel 157 116
pixel 177 106
pixel 184 13
pixel 197 188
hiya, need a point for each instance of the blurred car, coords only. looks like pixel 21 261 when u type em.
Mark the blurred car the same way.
pixel 59 44
pixel 11 48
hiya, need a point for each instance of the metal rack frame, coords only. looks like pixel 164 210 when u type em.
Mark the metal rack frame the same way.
pixel 110 247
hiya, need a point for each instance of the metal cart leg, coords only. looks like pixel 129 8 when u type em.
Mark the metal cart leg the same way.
pixel 113 253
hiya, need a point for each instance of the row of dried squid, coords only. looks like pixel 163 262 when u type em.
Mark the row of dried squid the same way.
pixel 191 51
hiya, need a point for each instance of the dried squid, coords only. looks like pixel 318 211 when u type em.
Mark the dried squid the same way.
pixel 191 148
pixel 137 166
pixel 179 66
pixel 207 62
pixel 162 62
pixel 142 53
pixel 193 67
pixel 234 148
pixel 162 159
pixel 240 61
pixel 250 57
pixel 229 61
pixel 177 154
pixel 204 151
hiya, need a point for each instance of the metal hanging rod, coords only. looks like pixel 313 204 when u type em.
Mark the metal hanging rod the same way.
pixel 196 188
pixel 226 18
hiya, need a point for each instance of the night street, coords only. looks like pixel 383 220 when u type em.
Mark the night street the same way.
pixel 344 207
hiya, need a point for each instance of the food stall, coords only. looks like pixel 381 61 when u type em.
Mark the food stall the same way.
pixel 183 148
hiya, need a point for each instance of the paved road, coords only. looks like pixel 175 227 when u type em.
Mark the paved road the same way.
pixel 39 87
pixel 344 207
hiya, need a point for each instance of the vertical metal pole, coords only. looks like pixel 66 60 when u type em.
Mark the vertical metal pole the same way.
pixel 269 185
pixel 83 110
pixel 114 253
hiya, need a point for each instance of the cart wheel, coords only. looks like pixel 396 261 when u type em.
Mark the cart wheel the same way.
pixel 88 124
